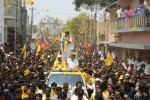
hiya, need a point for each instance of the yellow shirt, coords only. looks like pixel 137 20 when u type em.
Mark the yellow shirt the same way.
pixel 50 98
pixel 53 92
pixel 61 64
pixel 44 97
pixel 105 95
pixel 24 95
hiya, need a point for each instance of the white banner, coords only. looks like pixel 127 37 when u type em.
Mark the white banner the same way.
pixel 1 21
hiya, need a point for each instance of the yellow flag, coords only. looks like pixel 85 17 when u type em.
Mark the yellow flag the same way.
pixel 38 49
pixel 26 72
pixel 43 56
pixel 30 2
pixel 87 78
pixel 17 67
pixel 25 54
pixel 24 48
pixel 7 4
pixel 109 59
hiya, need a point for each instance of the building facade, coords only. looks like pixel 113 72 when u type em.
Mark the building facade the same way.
pixel 128 37
pixel 15 16
pixel 49 26
pixel 2 27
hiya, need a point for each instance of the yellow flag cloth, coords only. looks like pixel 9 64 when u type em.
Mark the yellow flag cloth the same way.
pixel 26 72
pixel 42 56
pixel 25 54
pixel 104 93
pixel 24 48
pixel 24 95
pixel 87 78
pixel 30 2
pixel 17 67
pixel 109 59
pixel 38 49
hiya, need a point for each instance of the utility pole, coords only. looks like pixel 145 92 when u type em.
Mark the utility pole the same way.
pixel 16 14
pixel 91 39
pixel 31 23
pixel 95 18
pixel 25 19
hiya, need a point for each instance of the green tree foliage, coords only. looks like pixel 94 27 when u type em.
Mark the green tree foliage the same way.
pixel 88 3
pixel 56 21
pixel 79 27
pixel 75 25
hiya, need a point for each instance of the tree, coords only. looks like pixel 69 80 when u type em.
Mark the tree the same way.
pixel 56 21
pixel 79 27
pixel 87 4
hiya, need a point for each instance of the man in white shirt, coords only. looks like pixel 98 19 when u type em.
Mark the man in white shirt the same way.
pixel 67 91
pixel 66 44
pixel 79 95
pixel 92 87
pixel 72 62
pixel 107 14
pixel 147 5
pixel 119 11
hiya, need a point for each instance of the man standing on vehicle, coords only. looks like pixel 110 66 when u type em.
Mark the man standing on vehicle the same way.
pixel 59 63
pixel 72 62
pixel 66 41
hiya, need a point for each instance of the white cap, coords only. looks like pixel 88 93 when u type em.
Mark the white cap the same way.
pixel 127 74
pixel 97 79
pixel 48 56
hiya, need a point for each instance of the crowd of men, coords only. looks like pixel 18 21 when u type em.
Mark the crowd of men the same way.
pixel 24 78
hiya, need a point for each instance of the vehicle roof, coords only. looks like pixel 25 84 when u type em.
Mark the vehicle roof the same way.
pixel 65 73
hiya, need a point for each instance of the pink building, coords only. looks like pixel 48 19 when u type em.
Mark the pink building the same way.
pixel 130 37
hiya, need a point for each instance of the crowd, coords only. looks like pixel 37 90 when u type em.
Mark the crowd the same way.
pixel 128 80
pixel 23 78
pixel 126 11
pixel 143 9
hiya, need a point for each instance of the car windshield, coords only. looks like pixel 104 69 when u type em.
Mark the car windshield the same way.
pixel 60 79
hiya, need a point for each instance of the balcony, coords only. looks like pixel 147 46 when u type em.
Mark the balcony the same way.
pixel 130 24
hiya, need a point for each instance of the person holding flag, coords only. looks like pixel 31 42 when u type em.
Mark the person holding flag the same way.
pixel 66 41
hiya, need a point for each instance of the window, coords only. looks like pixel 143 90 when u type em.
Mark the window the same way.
pixel 60 79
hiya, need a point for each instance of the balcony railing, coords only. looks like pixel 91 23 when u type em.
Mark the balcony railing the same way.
pixel 134 22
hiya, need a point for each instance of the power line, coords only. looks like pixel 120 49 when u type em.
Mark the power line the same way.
pixel 62 13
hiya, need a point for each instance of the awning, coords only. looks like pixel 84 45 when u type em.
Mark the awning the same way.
pixel 131 46
pixel 9 17
pixel 102 42
pixel 3 26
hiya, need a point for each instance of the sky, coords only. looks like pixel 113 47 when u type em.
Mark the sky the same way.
pixel 61 9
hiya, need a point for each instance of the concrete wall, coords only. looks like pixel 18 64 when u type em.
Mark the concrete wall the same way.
pixel 11 12
pixel 144 53
pixel 111 38
pixel 135 37
pixel 1 22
